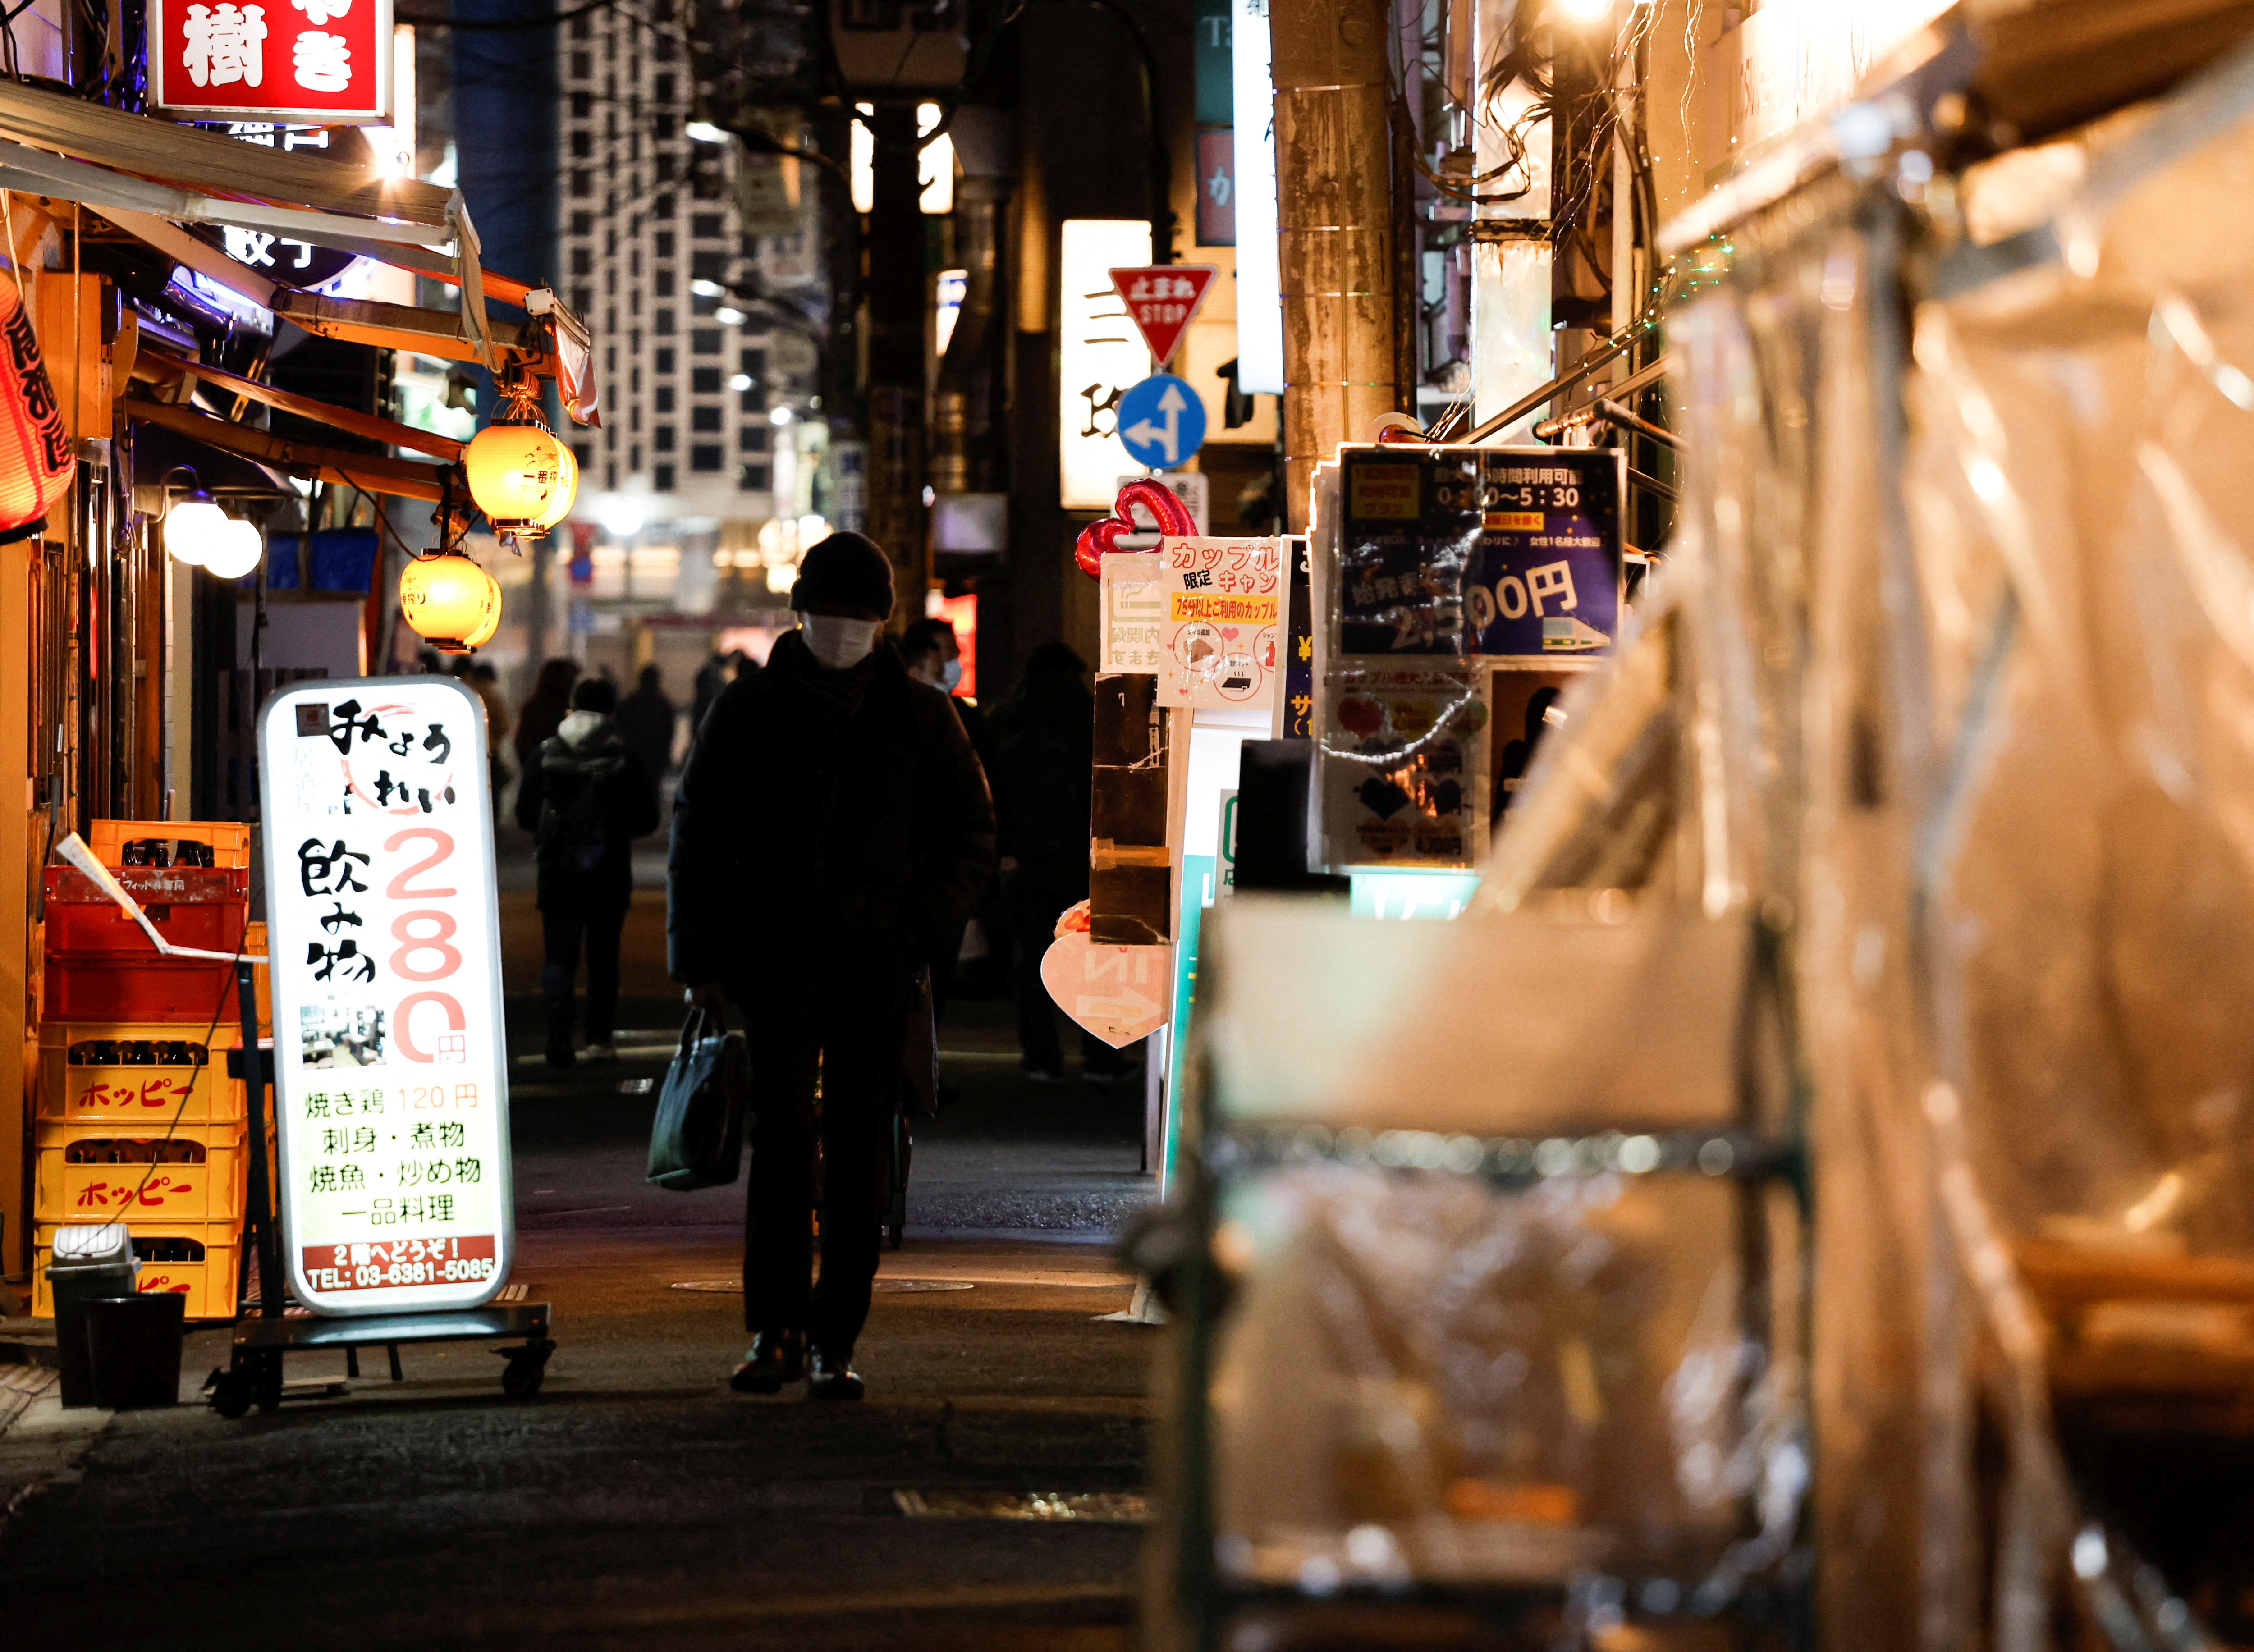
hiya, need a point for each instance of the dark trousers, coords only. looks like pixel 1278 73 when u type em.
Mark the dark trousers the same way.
pixel 565 918
pixel 840 1022
pixel 1034 913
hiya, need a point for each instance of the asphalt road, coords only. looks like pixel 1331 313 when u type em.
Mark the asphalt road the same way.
pixel 635 1501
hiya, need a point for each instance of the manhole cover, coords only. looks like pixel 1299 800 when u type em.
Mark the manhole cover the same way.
pixel 735 1287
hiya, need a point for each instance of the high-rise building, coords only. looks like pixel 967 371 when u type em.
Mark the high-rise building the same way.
pixel 656 258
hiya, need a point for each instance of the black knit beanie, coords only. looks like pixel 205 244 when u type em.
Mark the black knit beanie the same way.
pixel 847 568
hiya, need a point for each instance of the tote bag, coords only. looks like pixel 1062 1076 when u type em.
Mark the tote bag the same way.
pixel 698 1138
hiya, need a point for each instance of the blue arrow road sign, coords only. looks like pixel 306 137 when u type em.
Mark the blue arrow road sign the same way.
pixel 1161 422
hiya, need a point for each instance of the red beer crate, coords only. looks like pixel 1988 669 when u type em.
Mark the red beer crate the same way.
pixel 132 1079
pixel 190 906
pixel 193 991
pixel 195 1259
pixel 228 841
pixel 95 1173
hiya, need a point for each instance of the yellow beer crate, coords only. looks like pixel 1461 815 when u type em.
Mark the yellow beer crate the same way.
pixel 197 1260
pixel 136 1077
pixel 96 1173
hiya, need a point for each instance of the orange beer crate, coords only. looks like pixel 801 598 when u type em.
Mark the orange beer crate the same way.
pixel 134 1078
pixel 190 906
pixel 200 1261
pixel 94 1173
pixel 228 841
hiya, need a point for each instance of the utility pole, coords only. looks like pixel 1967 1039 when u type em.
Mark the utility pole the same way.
pixel 1335 230
pixel 895 291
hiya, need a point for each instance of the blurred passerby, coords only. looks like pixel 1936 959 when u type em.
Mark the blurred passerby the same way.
pixel 1043 738
pixel 545 708
pixel 933 655
pixel 647 718
pixel 585 798
pixel 484 682
pixel 831 829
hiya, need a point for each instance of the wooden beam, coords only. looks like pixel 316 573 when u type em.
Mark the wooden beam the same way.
pixel 368 424
pixel 372 473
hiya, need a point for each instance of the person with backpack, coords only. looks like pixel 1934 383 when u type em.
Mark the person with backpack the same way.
pixel 586 797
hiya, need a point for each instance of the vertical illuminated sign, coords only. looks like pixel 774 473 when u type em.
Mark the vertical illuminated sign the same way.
pixel 390 1065
pixel 1100 356
pixel 1259 290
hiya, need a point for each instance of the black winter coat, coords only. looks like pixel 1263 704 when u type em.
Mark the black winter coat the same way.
pixel 630 808
pixel 824 808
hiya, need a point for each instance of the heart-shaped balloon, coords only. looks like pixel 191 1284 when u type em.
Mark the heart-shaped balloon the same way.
pixel 1099 539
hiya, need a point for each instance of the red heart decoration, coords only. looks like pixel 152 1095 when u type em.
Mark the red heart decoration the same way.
pixel 1360 716
pixel 1099 539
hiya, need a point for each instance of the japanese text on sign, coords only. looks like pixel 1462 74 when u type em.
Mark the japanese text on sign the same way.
pixel 1224 606
pixel 329 59
pixel 391 1099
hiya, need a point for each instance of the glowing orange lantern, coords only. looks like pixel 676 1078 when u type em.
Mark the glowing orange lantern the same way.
pixel 521 475
pixel 36 463
pixel 451 602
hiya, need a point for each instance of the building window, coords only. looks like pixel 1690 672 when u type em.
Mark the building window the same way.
pixel 664 478
pixel 705 456
pixel 665 400
pixel 633 418
pixel 582 301
pixel 633 457
pixel 665 243
pixel 582 106
pixel 661 89
pixel 662 206
pixel 635 381
pixel 583 260
pixel 583 143
pixel 582 455
pixel 661 439
pixel 583 223
pixel 579 27
pixel 665 361
pixel 634 305
pixel 753 400
pixel 752 438
pixel 664 167
pixel 582 184
pixel 703 303
pixel 704 341
pixel 705 184
pixel 704 381
pixel 662 278
pixel 582 67
pixel 751 479
pixel 664 325
pixel 751 363
pixel 610 478
pixel 703 226
pixel 708 266
pixel 706 419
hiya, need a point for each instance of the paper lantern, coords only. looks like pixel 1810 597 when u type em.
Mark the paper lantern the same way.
pixel 237 548
pixel 36 463
pixel 193 528
pixel 449 601
pixel 522 476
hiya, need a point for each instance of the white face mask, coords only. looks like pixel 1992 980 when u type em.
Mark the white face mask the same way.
pixel 836 642
pixel 951 675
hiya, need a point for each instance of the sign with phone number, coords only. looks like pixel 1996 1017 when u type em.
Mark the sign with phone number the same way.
pixel 390 1067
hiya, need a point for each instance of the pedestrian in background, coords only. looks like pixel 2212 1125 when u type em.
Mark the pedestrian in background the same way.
pixel 545 708
pixel 1043 737
pixel 831 831
pixel 646 718
pixel 933 656
pixel 585 798
pixel 484 682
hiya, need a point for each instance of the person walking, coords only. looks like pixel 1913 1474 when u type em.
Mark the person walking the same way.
pixel 484 682
pixel 831 829
pixel 545 708
pixel 585 798
pixel 1043 739
pixel 647 718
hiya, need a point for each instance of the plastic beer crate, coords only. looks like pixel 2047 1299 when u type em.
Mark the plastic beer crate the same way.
pixel 200 1261
pixel 228 841
pixel 190 907
pixel 155 988
pixel 95 1173
pixel 133 1078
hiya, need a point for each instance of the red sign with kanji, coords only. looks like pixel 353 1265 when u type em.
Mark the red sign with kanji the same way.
pixel 1162 300
pixel 323 61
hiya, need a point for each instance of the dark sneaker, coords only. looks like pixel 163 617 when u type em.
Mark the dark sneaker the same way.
pixel 829 1379
pixel 774 1358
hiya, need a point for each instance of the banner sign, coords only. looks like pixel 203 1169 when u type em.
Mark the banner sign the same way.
pixel 1494 552
pixel 326 61
pixel 391 1065
pixel 1223 611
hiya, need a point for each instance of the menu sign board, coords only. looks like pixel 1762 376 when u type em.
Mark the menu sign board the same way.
pixel 390 1065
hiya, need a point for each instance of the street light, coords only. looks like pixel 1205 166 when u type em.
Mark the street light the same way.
pixel 729 316
pixel 708 289
pixel 193 528
pixel 236 549
pixel 704 132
